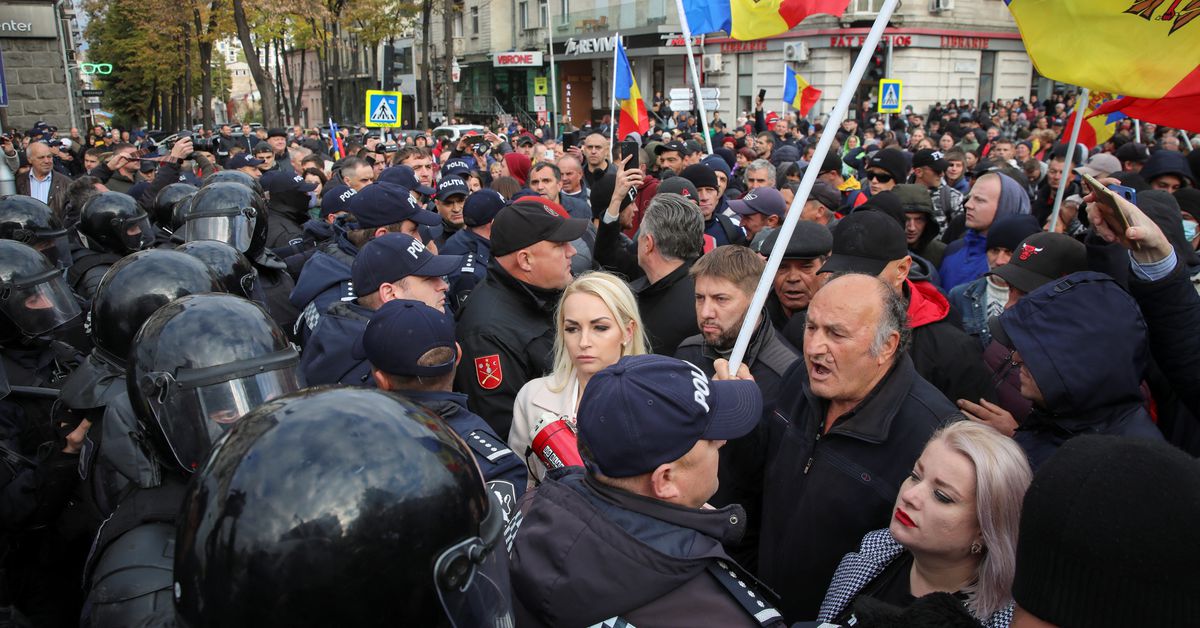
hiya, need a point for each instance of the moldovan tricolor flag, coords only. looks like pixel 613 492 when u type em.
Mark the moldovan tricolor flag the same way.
pixel 754 19
pixel 1137 48
pixel 1095 130
pixel 797 92
pixel 632 115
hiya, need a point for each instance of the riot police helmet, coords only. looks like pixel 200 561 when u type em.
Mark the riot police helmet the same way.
pixel 28 220
pixel 227 212
pixel 341 506
pixel 232 176
pixel 163 211
pixel 198 364
pixel 113 222
pixel 34 297
pixel 136 286
pixel 233 270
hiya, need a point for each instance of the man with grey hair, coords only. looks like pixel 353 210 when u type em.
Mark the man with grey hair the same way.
pixel 759 174
pixel 43 182
pixel 844 435
pixel 670 239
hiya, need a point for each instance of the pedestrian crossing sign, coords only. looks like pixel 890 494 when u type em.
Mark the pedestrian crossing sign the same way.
pixel 889 95
pixel 383 108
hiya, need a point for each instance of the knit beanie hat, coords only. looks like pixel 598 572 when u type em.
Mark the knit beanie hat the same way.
pixel 1108 536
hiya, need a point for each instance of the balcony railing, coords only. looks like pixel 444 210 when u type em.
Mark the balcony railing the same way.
pixel 622 16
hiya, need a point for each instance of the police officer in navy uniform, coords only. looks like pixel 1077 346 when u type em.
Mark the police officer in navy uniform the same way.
pixel 474 243
pixel 322 232
pixel 452 192
pixel 289 198
pixel 392 266
pixel 412 352
pixel 377 209
pixel 197 365
pixel 630 539
pixel 341 507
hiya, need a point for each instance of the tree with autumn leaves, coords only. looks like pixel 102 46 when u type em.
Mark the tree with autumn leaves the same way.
pixel 163 62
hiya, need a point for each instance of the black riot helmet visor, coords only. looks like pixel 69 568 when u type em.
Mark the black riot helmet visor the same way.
pixel 472 576
pixel 233 226
pixel 38 303
pixel 221 394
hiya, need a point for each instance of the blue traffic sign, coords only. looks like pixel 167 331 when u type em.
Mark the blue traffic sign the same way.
pixel 3 83
pixel 383 109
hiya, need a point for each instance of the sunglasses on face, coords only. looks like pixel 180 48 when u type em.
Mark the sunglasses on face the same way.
pixel 880 177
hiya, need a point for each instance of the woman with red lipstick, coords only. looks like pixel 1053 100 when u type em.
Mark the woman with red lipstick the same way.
pixel 597 324
pixel 954 530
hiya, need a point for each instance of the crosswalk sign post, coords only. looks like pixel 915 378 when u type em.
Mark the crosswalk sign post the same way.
pixel 383 109
pixel 890 95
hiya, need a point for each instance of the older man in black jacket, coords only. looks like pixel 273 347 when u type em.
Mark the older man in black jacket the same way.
pixel 849 423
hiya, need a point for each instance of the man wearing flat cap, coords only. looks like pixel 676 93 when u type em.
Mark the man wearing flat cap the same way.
pixel 506 328
pixel 277 139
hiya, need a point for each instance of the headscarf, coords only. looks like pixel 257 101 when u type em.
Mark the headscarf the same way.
pixel 518 167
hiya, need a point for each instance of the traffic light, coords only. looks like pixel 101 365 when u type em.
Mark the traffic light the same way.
pixel 877 69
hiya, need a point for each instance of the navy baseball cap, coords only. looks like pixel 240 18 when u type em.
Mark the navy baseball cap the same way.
pixel 336 199
pixel 382 204
pixel 648 410
pixel 449 186
pixel 394 256
pixel 456 167
pixel 405 176
pixel 402 331
pixel 765 201
pixel 242 160
pixel 276 182
pixel 481 207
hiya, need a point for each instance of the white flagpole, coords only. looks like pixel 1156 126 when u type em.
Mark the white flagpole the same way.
pixel 1080 109
pixel 612 116
pixel 687 41
pixel 553 79
pixel 1137 131
pixel 806 184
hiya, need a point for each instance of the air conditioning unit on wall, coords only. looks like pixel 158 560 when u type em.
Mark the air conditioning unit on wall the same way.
pixel 796 52
pixel 941 6
pixel 712 64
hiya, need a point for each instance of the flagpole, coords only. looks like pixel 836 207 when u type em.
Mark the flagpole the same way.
pixel 1137 131
pixel 1080 109
pixel 612 117
pixel 806 183
pixel 691 58
pixel 553 78
pixel 1183 134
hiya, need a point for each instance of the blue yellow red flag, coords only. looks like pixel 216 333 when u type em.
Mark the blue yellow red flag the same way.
pixel 1139 48
pixel 1095 130
pixel 632 117
pixel 754 19
pixel 798 93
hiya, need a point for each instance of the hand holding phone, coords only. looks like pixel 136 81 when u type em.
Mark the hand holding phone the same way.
pixel 1114 215
pixel 1127 225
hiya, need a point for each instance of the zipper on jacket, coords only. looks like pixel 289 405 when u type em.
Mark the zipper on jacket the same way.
pixel 808 465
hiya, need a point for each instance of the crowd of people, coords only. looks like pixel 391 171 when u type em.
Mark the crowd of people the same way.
pixel 270 378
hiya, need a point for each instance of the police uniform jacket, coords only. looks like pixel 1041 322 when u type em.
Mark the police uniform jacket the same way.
pixel 507 337
pixel 327 358
pixel 824 491
pixel 477 254
pixel 502 469
pixel 586 554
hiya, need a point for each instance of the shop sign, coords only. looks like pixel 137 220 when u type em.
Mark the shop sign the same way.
pixel 517 59
pixel 744 46
pixel 857 41
pixel 590 46
pixel 676 39
pixel 966 43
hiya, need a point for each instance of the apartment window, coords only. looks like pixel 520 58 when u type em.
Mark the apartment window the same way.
pixel 564 7
pixel 474 20
pixel 457 24
pixel 865 6
pixel 543 12
pixel 523 14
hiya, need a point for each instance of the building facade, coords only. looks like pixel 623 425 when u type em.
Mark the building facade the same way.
pixel 40 65
pixel 940 49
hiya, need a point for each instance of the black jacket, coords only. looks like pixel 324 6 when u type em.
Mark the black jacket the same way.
pixel 768 357
pixel 823 492
pixel 668 308
pixel 585 553
pixel 1171 308
pixel 506 331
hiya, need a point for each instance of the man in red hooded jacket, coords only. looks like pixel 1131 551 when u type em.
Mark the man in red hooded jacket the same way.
pixel 872 243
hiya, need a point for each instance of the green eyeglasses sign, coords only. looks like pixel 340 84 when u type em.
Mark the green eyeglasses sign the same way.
pixel 95 68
